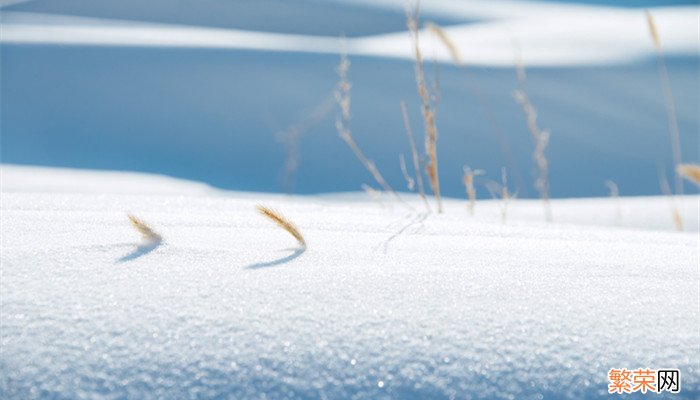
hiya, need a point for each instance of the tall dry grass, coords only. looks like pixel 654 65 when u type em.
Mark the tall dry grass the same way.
pixel 410 182
pixel 427 109
pixel 666 189
pixel 444 38
pixel 670 105
pixel 540 138
pixel 373 193
pixel 343 98
pixel 672 124
pixel 291 138
pixel 468 181
pixel 500 191
pixel 414 155
pixel 481 98
pixel 615 194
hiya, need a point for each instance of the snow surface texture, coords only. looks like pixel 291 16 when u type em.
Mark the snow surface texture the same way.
pixel 385 303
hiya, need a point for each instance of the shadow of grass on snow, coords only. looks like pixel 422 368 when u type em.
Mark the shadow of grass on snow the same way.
pixel 296 252
pixel 140 250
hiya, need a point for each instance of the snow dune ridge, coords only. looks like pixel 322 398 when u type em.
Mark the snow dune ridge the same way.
pixel 563 35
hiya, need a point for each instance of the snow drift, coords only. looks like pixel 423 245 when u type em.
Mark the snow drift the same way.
pixel 385 302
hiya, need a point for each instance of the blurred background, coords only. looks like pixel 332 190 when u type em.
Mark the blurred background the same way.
pixel 240 94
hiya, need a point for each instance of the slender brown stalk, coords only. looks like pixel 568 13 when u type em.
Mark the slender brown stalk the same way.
pixel 147 233
pixel 414 155
pixel 468 180
pixel 292 136
pixel 666 189
pixel 427 110
pixel 540 137
pixel 500 191
pixel 282 222
pixel 342 96
pixel 670 105
pixel 373 193
pixel 410 182
pixel 505 194
pixel 615 194
pixel 690 171
pixel 482 100
pixel 446 41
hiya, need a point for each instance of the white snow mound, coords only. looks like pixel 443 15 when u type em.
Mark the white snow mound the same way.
pixel 386 302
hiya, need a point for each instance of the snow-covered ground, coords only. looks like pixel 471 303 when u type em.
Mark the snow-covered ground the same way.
pixel 386 302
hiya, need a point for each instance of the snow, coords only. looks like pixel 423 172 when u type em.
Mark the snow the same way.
pixel 386 302
pixel 550 35
pixel 582 36
pixel 38 29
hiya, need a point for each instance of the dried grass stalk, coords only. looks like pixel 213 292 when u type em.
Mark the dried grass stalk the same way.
pixel 666 189
pixel 373 193
pixel 446 41
pixel 291 138
pixel 146 232
pixel 652 30
pixel 468 180
pixel 410 182
pixel 670 105
pixel 474 87
pixel 677 220
pixel 427 110
pixel 540 137
pixel 342 96
pixel 690 171
pixel 615 194
pixel 282 222
pixel 500 191
pixel 414 155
